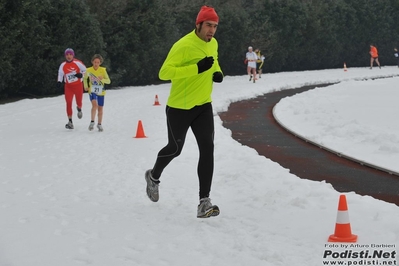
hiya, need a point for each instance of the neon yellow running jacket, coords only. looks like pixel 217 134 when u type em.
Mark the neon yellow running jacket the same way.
pixel 189 88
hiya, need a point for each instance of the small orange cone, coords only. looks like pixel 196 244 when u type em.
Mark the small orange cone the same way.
pixel 345 69
pixel 343 231
pixel 140 131
pixel 156 100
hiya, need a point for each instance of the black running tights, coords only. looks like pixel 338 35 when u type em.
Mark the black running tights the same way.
pixel 200 119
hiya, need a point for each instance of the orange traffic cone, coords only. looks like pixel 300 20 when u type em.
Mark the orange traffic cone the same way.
pixel 156 100
pixel 140 131
pixel 345 69
pixel 342 227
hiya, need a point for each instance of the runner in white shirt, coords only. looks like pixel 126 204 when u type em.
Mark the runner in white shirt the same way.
pixel 251 68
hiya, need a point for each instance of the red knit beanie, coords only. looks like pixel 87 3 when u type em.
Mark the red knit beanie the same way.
pixel 207 13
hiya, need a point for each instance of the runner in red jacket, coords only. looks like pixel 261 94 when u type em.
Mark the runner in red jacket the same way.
pixel 374 56
pixel 71 73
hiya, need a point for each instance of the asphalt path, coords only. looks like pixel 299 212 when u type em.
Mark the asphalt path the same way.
pixel 252 124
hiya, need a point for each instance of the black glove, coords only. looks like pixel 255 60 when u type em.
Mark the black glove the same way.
pixel 59 85
pixel 218 77
pixel 79 75
pixel 204 64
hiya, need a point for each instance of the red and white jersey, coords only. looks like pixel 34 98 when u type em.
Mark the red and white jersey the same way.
pixel 67 72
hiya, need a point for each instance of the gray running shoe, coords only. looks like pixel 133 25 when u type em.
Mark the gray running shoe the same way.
pixel 206 209
pixel 152 187
pixel 91 126
pixel 100 128
pixel 69 125
pixel 80 114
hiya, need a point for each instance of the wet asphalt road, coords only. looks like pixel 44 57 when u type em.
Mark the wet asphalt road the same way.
pixel 252 124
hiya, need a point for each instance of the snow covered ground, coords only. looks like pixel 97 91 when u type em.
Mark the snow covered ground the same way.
pixel 75 197
pixel 356 118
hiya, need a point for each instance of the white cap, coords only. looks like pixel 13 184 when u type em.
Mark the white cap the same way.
pixel 250 47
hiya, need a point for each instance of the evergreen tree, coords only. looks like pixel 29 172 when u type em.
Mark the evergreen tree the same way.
pixel 34 35
pixel 134 36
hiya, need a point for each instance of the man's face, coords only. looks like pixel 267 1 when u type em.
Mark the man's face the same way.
pixel 206 30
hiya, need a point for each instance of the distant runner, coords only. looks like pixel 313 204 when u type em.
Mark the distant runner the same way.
pixel 94 80
pixel 374 56
pixel 71 73
pixel 251 67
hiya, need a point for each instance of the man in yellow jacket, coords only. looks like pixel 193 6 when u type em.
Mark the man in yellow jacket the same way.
pixel 192 66
pixel 259 62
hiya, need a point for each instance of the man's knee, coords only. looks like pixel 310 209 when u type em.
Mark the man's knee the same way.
pixel 174 149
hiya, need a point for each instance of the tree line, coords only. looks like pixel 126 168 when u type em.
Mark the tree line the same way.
pixel 134 36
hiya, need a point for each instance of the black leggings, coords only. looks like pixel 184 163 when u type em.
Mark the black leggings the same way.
pixel 200 119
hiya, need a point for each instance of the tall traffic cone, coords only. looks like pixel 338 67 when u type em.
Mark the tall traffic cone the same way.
pixel 343 231
pixel 140 130
pixel 156 100
pixel 345 69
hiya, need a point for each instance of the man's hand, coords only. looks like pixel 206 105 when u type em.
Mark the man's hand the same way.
pixel 204 64
pixel 79 75
pixel 218 77
pixel 59 85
